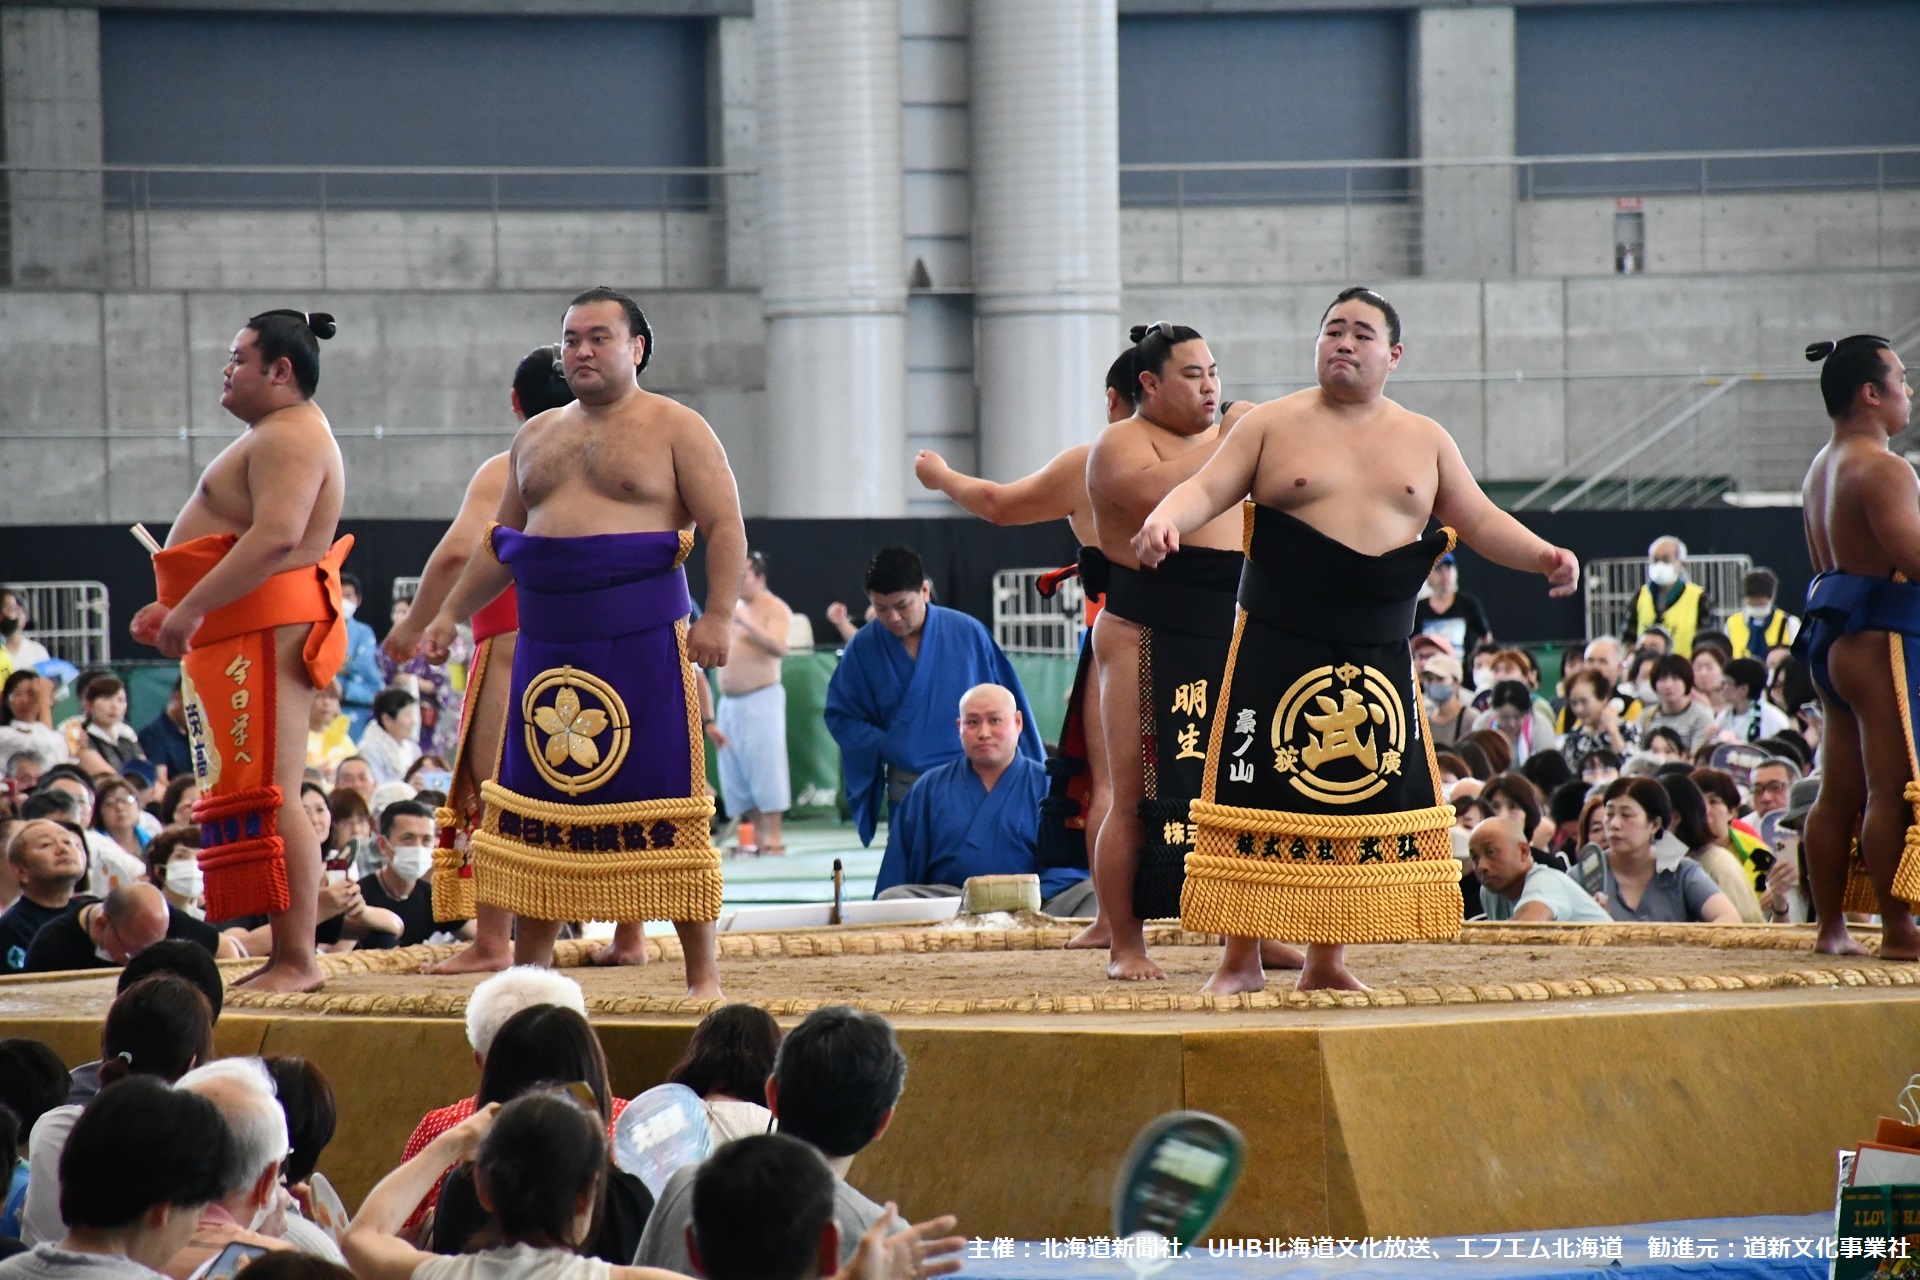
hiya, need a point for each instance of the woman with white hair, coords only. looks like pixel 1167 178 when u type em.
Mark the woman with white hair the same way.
pixel 488 1008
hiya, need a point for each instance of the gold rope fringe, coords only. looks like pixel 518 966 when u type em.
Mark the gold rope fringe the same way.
pixel 662 866
pixel 453 893
pixel 1348 893
pixel 1906 877
pixel 886 941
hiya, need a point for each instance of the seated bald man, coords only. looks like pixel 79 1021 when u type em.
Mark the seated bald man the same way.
pixel 978 816
pixel 101 935
pixel 1515 887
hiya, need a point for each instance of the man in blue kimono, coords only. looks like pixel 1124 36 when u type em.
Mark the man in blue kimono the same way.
pixel 900 676
pixel 977 816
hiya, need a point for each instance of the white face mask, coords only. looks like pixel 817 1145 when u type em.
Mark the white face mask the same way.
pixel 186 879
pixel 1758 616
pixel 411 862
pixel 349 607
pixel 1482 678
pixel 1663 573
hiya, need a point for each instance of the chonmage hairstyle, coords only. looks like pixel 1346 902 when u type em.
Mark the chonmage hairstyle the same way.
pixel 293 336
pixel 1372 299
pixel 894 569
pixel 1851 364
pixel 731 1052
pixel 141 1143
pixel 1153 346
pixel 838 1074
pixel 637 325
pixel 759 1206
pixel 539 382
pixel 1123 378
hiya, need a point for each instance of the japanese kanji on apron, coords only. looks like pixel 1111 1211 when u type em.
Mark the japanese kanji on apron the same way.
pixel 229 685
pixel 1840 604
pixel 1321 818
pixel 1064 809
pixel 600 811
pixel 1185 611
pixel 453 895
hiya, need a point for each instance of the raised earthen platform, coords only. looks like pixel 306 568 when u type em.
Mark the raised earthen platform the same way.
pixel 1520 1077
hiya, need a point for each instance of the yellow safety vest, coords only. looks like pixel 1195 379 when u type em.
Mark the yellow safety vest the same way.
pixel 1681 619
pixel 1779 632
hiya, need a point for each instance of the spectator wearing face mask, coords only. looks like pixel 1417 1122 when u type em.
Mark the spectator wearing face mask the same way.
pixel 1448 715
pixel 391 743
pixel 359 675
pixel 1669 599
pixel 250 1211
pixel 407 839
pixel 1761 626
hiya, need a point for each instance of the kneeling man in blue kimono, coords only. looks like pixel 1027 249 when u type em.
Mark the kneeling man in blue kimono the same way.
pixel 978 816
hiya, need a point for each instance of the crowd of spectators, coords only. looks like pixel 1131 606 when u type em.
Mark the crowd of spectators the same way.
pixel 1650 781
pixel 98 844
pixel 161 1158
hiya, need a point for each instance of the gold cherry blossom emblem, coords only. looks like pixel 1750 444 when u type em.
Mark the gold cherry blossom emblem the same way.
pixel 575 746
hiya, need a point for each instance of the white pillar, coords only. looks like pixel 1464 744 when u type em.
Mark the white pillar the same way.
pixel 1464 82
pixel 733 126
pixel 1046 224
pixel 833 287
pixel 50 98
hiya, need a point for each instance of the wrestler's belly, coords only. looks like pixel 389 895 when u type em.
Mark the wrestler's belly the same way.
pixel 579 511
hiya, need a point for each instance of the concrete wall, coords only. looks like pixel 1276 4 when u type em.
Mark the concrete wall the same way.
pixel 100 388
pixel 100 385
pixel 1836 231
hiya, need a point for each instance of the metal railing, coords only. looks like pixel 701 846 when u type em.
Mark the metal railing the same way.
pixel 1024 621
pixel 369 227
pixel 1612 587
pixel 1711 435
pixel 69 619
pixel 1664 212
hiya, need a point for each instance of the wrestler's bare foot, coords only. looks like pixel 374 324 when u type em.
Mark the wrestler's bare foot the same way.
pixel 629 946
pixel 707 990
pixel 1278 955
pixel 1834 940
pixel 1326 970
pixel 1240 969
pixel 1097 936
pixel 1899 939
pixel 285 978
pixel 482 955
pixel 1134 966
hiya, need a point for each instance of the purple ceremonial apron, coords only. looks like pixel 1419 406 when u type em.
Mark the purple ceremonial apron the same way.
pixel 601 810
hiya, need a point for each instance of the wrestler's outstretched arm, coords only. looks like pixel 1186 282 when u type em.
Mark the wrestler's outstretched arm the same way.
pixel 449 559
pixel 710 496
pixel 1051 493
pixel 286 468
pixel 1459 502
pixel 1226 479
pixel 1886 493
